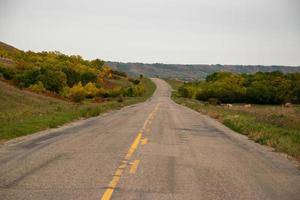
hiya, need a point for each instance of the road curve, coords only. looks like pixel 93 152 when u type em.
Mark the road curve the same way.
pixel 153 150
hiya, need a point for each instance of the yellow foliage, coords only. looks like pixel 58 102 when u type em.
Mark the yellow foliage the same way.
pixel 38 87
pixel 77 92
pixel 65 92
pixel 138 90
pixel 90 89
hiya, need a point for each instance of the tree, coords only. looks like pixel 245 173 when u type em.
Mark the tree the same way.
pixel 53 80
pixel 98 63
pixel 88 77
pixel 72 75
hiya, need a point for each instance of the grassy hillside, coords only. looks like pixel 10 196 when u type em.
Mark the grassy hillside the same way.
pixel 47 84
pixel 24 112
pixel 192 72
pixel 272 125
pixel 64 76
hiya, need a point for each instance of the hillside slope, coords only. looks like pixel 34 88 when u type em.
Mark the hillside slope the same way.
pixel 23 112
pixel 94 86
pixel 192 72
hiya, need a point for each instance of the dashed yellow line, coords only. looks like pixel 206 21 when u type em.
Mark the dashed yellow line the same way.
pixel 117 175
pixel 134 166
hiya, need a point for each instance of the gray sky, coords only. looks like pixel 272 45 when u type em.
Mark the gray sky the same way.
pixel 166 31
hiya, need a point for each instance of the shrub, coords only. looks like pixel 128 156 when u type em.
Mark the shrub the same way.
pixel 72 75
pixel 263 88
pixel 183 92
pixel 91 90
pixel 87 77
pixel 77 93
pixel 7 72
pixel 53 80
pixel 138 90
pixel 133 91
pixel 128 92
pixel 115 92
pixel 119 73
pixel 38 87
pixel 65 92
pixel 27 77
pixel 214 101
pixel 136 81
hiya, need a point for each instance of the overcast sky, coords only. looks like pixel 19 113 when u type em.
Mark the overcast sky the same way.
pixel 165 31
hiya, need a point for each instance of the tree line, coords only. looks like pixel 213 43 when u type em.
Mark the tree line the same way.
pixel 259 88
pixel 68 76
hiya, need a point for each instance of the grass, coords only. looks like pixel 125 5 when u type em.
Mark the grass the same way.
pixel 272 125
pixel 23 113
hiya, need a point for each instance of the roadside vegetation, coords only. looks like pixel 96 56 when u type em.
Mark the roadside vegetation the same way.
pixel 274 125
pixel 259 88
pixel 47 89
pixel 70 77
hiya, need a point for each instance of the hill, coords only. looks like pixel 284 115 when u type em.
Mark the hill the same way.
pixel 7 47
pixel 192 72
pixel 38 90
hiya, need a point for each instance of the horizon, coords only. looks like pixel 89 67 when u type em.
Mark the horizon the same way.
pixel 146 63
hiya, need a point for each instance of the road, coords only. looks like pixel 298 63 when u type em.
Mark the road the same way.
pixel 153 150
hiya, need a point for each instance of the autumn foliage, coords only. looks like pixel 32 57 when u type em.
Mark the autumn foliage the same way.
pixel 68 76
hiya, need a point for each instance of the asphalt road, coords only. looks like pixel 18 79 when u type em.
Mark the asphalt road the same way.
pixel 152 150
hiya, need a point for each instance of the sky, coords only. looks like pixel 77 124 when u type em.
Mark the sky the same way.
pixel 265 32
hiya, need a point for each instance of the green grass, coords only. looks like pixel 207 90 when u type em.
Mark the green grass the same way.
pixel 23 113
pixel 272 125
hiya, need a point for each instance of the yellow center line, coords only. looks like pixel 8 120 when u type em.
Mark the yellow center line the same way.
pixel 117 175
pixel 134 166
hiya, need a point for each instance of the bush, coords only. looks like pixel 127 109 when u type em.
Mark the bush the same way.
pixel 53 80
pixel 87 77
pixel 119 73
pixel 105 93
pixel 214 101
pixel 136 81
pixel 138 90
pixel 38 87
pixel 115 92
pixel 7 72
pixel 263 88
pixel 27 77
pixel 72 75
pixel 91 90
pixel 128 92
pixel 134 91
pixel 77 93
pixel 183 92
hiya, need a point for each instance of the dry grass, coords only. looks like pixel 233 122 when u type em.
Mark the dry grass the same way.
pixel 272 125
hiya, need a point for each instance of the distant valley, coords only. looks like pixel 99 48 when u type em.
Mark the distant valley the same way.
pixel 192 72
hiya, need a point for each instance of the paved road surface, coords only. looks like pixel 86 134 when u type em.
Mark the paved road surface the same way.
pixel 154 150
